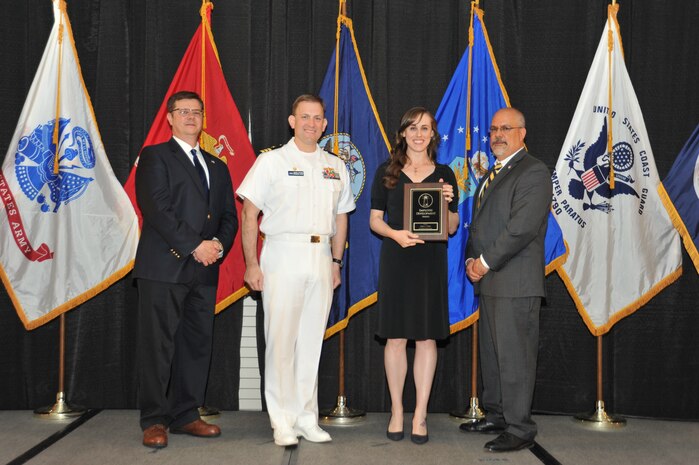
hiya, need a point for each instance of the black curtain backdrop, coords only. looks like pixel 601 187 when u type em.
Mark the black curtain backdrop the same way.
pixel 273 50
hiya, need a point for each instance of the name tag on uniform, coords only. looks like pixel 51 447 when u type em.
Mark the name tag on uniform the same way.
pixel 295 173
pixel 330 173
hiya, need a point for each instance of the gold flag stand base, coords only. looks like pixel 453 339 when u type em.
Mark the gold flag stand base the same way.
pixel 60 410
pixel 342 415
pixel 471 415
pixel 206 412
pixel 600 420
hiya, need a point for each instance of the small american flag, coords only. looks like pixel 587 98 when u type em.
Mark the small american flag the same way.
pixel 592 178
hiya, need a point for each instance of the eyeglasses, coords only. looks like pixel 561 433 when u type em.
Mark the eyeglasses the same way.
pixel 185 112
pixel 503 129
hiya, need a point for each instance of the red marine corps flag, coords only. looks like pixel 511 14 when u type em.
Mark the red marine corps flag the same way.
pixel 224 135
pixel 67 229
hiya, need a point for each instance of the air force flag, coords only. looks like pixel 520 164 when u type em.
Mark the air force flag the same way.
pixel 476 80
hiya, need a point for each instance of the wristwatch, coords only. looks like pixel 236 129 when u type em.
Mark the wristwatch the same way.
pixel 339 262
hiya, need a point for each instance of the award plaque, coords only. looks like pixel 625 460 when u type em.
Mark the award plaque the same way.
pixel 425 211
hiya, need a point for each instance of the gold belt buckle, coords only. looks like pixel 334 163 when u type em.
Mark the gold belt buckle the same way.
pixel 315 239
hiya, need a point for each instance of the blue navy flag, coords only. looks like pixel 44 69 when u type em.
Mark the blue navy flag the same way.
pixel 680 195
pixel 466 148
pixel 356 135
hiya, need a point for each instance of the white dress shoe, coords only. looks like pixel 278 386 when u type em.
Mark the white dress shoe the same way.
pixel 313 433
pixel 285 437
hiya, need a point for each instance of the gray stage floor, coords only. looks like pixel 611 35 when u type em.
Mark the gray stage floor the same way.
pixel 113 437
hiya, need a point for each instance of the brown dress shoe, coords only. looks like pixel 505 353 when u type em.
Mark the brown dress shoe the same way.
pixel 198 428
pixel 155 436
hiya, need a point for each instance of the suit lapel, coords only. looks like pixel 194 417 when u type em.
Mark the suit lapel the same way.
pixel 497 180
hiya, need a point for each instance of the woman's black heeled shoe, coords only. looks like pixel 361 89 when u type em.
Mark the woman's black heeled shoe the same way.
pixel 420 438
pixel 394 436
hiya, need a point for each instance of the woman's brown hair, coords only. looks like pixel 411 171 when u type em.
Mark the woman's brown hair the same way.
pixel 399 154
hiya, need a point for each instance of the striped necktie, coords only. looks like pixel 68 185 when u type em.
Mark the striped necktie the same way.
pixel 200 170
pixel 496 170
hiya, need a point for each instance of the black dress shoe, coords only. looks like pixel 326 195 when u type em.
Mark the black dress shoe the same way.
pixel 482 426
pixel 508 442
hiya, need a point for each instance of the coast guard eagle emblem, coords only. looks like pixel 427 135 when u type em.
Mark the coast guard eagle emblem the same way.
pixel 592 185
pixel 350 155
pixel 34 162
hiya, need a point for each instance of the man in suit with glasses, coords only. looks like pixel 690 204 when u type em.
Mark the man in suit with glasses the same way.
pixel 189 222
pixel 505 261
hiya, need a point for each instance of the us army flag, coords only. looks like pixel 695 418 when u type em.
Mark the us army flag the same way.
pixel 623 247
pixel 67 229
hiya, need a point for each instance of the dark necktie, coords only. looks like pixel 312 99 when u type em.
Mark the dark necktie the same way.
pixel 200 171
pixel 496 170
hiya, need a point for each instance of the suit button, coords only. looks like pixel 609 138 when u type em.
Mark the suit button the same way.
pixel 208 216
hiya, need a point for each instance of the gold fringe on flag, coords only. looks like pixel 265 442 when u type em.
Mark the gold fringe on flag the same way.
pixel 677 221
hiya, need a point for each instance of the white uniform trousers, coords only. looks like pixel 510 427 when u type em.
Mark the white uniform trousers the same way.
pixel 297 295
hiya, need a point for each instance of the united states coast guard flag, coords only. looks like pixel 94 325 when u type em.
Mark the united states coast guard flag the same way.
pixel 623 247
pixel 223 135
pixel 68 230
pixel 356 135
pixel 474 94
pixel 680 194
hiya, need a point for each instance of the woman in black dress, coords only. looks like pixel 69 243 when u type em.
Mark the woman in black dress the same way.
pixel 412 293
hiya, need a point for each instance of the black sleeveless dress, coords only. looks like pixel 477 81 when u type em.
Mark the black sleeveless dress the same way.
pixel 412 294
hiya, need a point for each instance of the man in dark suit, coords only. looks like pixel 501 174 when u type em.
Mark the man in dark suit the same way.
pixel 505 261
pixel 189 223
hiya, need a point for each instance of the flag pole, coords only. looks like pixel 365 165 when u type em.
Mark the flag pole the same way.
pixel 205 411
pixel 610 50
pixel 474 4
pixel 473 412
pixel 341 414
pixel 61 410
pixel 599 419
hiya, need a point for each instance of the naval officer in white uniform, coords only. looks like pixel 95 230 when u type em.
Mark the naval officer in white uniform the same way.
pixel 304 194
